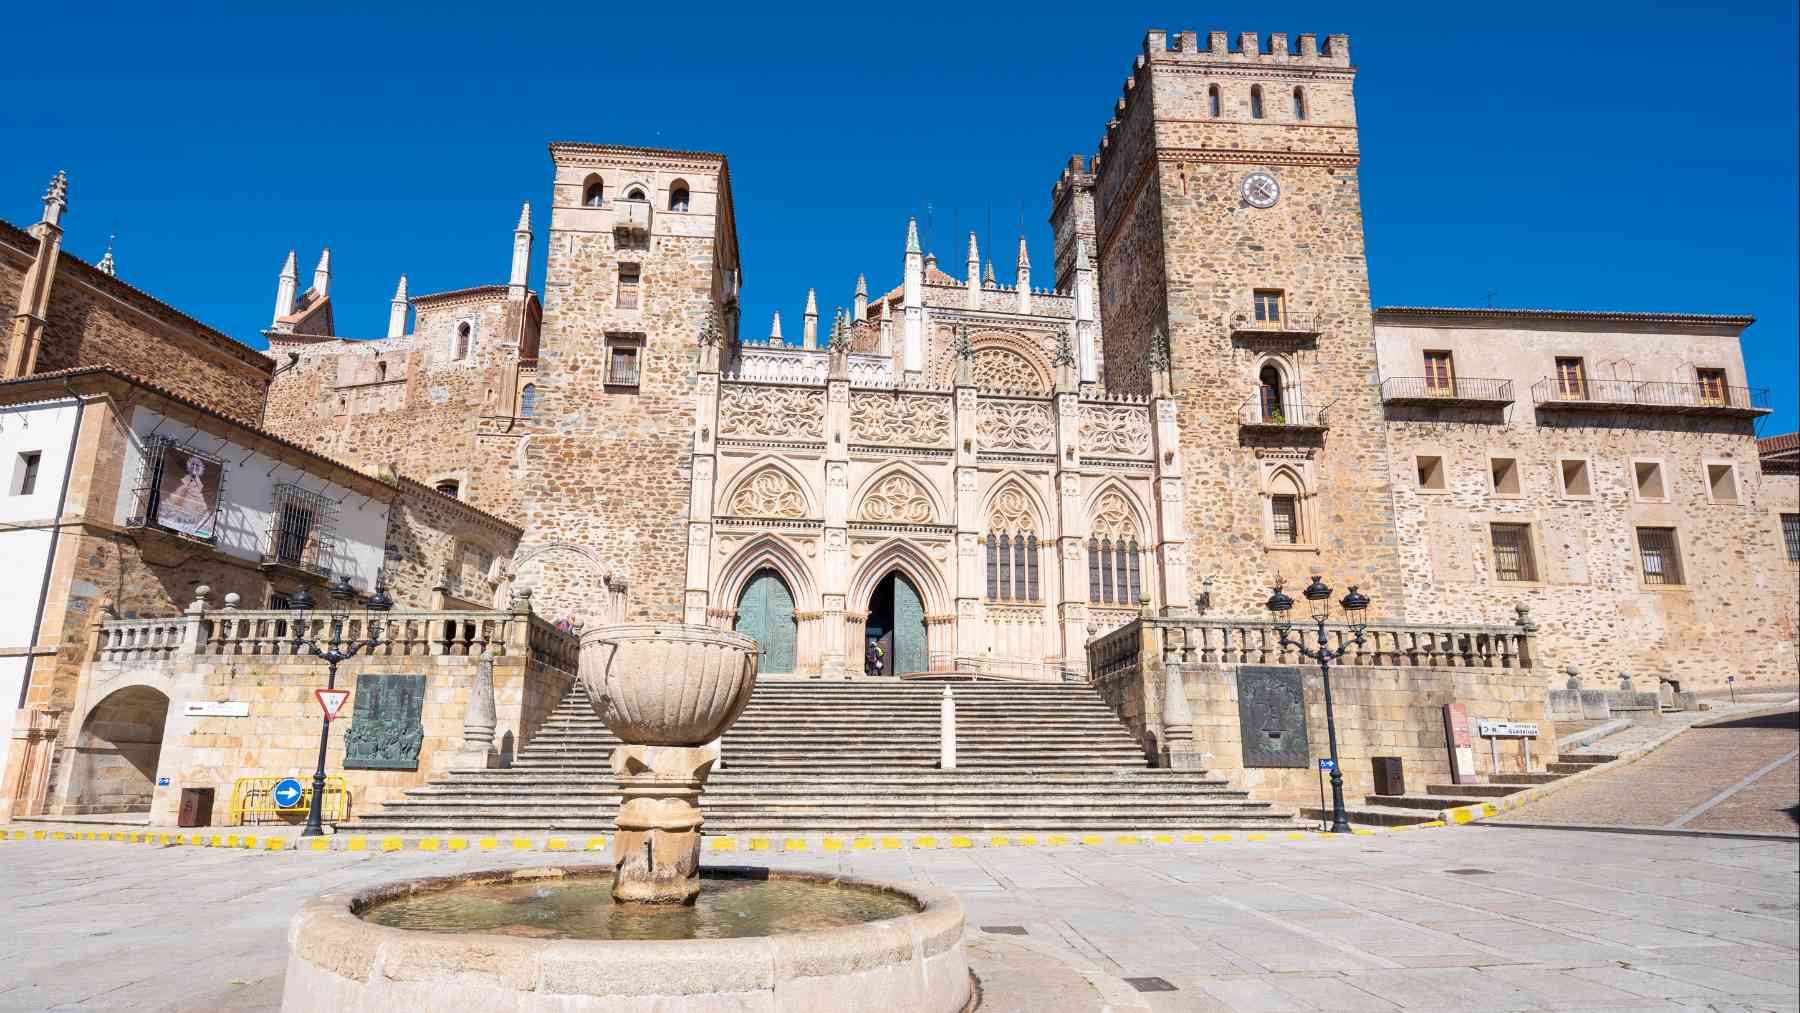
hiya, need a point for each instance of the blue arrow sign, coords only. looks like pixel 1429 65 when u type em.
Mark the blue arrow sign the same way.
pixel 287 793
pixel 1326 763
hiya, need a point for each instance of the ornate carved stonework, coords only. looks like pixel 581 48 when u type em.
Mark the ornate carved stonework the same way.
pixel 1014 425
pixel 897 499
pixel 907 420
pixel 772 413
pixel 1012 512
pixel 768 493
pixel 1121 431
pixel 1112 518
pixel 998 368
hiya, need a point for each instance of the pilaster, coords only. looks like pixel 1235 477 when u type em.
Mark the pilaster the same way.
pixel 1170 516
pixel 835 656
pixel 700 489
pixel 1071 587
pixel 971 570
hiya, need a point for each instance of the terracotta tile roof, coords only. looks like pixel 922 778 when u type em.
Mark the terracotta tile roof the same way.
pixel 460 293
pixel 1486 313
pixel 629 150
pixel 1779 443
pixel 414 485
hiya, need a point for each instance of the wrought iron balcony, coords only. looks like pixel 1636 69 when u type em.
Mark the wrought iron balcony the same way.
pixel 1290 328
pixel 1286 418
pixel 1464 391
pixel 1651 395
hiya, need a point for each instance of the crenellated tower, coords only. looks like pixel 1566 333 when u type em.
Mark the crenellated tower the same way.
pixel 1228 239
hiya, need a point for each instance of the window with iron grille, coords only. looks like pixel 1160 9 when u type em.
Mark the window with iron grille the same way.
pixel 1790 534
pixel 1285 511
pixel 628 286
pixel 1513 559
pixel 1660 556
pixel 622 362
pixel 301 533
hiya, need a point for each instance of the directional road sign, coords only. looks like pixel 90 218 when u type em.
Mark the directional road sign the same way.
pixel 331 701
pixel 1326 763
pixel 288 793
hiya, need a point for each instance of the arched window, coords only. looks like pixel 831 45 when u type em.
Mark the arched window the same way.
pixel 1287 510
pixel 460 349
pixel 593 194
pixel 1299 103
pixel 1012 548
pixel 528 401
pixel 1114 559
pixel 448 487
pixel 678 196
pixel 635 193
pixel 1212 100
pixel 1268 384
pixel 381 371
pixel 1256 105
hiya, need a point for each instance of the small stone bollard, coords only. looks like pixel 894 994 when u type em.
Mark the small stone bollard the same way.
pixel 947 732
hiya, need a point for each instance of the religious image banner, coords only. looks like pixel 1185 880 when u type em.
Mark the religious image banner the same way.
pixel 187 494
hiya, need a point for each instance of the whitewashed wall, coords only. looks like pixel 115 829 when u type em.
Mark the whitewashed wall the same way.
pixel 45 428
pixel 359 529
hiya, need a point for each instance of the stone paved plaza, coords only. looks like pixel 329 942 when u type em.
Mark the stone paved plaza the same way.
pixel 1470 918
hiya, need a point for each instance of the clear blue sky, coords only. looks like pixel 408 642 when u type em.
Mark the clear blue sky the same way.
pixel 1583 156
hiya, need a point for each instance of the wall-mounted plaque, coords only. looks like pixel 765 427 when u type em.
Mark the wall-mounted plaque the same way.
pixel 1272 716
pixel 387 726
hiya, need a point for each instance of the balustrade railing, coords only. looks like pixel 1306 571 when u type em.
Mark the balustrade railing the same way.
pixel 1654 394
pixel 1427 390
pixel 270 633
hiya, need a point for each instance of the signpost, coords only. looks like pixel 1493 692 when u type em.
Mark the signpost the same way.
pixel 216 708
pixel 1730 682
pixel 288 793
pixel 331 701
pixel 1326 765
pixel 1494 731
pixel 1462 749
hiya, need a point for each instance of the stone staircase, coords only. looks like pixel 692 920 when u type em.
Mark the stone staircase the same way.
pixel 860 756
pixel 1422 807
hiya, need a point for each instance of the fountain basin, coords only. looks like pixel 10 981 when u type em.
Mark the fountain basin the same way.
pixel 914 962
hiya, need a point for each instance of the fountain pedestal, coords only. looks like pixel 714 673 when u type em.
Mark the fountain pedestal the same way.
pixel 656 853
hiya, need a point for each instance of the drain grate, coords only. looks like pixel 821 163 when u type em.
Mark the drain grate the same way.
pixel 1470 872
pixel 1005 930
pixel 1150 984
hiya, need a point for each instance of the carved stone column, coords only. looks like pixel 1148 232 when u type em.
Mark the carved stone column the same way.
pixel 479 723
pixel 656 853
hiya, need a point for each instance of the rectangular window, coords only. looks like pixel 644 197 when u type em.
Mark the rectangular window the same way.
pixel 1649 479
pixel 1440 373
pixel 1712 385
pixel 1505 472
pixel 1431 473
pixel 25 473
pixel 1575 480
pixel 622 363
pixel 1660 557
pixel 628 286
pixel 1513 559
pixel 1268 306
pixel 1285 511
pixel 1721 483
pixel 1790 535
pixel 1571 379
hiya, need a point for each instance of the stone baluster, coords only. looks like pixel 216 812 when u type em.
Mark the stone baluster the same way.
pixel 479 722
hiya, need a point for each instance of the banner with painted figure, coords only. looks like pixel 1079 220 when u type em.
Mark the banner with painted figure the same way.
pixel 187 493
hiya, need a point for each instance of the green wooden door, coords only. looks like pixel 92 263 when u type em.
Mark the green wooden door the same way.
pixel 766 614
pixel 909 628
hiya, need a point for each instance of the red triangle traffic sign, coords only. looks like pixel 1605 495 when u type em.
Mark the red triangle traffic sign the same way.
pixel 331 701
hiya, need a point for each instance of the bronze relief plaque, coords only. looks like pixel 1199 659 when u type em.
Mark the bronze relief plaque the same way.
pixel 1272 716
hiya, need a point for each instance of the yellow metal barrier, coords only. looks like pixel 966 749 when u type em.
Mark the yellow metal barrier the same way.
pixel 253 801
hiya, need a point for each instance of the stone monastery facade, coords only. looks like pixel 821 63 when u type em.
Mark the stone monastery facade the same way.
pixel 981 476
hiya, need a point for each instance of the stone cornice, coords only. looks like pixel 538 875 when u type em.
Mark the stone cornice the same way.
pixel 1241 69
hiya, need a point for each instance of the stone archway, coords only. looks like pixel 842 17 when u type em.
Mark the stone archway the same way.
pixel 113 769
pixel 765 612
pixel 897 624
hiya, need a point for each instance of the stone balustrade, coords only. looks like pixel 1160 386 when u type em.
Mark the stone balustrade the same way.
pixel 270 633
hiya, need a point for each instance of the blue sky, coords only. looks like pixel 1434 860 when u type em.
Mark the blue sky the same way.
pixel 1599 156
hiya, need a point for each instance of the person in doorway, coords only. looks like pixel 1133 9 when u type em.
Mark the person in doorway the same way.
pixel 873 661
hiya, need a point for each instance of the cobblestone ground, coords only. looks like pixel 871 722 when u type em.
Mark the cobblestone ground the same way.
pixel 1681 783
pixel 1471 918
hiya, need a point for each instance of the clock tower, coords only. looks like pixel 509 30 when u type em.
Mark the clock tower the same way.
pixel 1228 220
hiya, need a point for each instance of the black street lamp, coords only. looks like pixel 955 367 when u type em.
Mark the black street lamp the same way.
pixel 337 649
pixel 1354 605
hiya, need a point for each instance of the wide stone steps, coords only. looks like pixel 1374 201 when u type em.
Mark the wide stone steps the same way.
pixel 859 757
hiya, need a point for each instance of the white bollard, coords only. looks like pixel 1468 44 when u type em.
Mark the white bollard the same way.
pixel 947 732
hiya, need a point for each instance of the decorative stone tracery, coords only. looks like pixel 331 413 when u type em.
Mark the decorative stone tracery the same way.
pixel 896 499
pixel 998 368
pixel 771 413
pixel 908 420
pixel 1014 425
pixel 768 493
pixel 1121 431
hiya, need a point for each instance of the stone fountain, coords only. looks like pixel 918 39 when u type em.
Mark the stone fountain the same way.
pixel 664 936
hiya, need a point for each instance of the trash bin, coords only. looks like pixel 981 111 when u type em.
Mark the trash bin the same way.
pixel 1390 778
pixel 196 808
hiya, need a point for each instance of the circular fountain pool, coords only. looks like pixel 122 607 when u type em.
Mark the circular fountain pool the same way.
pixel 552 939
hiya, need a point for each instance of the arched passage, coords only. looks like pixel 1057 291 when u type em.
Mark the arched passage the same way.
pixel 114 769
pixel 896 624
pixel 765 612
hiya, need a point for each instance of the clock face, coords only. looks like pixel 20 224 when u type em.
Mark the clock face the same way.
pixel 1260 190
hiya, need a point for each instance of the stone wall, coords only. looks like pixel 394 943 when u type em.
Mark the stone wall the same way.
pixel 1781 495
pixel 95 319
pixel 440 545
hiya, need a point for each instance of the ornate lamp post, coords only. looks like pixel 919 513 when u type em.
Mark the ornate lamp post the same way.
pixel 1354 605
pixel 336 649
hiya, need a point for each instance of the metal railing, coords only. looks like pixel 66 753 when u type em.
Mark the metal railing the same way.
pixel 1678 396
pixel 1425 389
pixel 1290 325
pixel 1287 416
